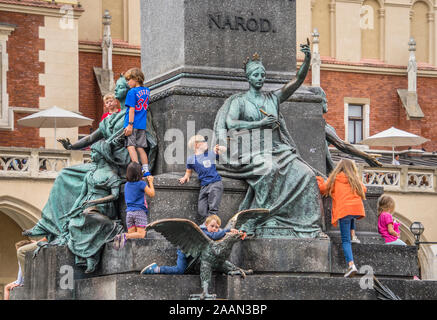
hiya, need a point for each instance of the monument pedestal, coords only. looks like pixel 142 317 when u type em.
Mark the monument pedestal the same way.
pixel 180 112
pixel 283 268
pixel 192 56
pixel 203 43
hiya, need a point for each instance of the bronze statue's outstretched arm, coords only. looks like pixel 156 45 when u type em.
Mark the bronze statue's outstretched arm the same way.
pixel 288 89
pixel 82 143
pixel 113 196
pixel 346 147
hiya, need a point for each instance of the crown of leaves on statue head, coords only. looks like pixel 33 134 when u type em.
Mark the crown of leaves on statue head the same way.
pixel 255 57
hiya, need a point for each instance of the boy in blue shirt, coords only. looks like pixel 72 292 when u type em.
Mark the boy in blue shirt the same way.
pixel 135 121
pixel 211 228
pixel 203 162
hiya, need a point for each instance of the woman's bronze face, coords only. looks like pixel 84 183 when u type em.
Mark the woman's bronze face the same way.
pixel 121 88
pixel 257 78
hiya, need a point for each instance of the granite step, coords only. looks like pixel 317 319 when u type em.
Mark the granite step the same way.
pixel 275 257
pixel 253 287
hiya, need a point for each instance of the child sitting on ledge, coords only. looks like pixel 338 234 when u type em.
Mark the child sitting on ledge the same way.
pixel 387 227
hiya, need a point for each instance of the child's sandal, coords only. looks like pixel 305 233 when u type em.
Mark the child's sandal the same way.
pixel 122 240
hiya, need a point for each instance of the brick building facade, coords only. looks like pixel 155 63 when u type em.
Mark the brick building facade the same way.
pixel 90 101
pixel 23 86
pixel 386 108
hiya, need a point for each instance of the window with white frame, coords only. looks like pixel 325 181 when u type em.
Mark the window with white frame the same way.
pixel 356 116
pixel 6 115
pixel 355 123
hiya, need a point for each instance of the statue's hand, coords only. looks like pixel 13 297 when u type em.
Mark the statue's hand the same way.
pixel 268 121
pixel 66 143
pixel 305 48
pixel 372 160
pixel 86 203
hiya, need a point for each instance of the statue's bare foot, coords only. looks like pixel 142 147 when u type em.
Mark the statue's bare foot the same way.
pixel 249 271
pixel 240 272
pixel 27 233
pixel 322 236
pixel 203 296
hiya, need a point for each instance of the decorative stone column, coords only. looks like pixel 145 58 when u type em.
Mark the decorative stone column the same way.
pixel 107 44
pixel 412 66
pixel 430 19
pixel 105 75
pixel 381 16
pixel 409 96
pixel 315 61
pixel 332 6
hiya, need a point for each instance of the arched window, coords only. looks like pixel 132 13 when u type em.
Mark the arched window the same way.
pixel 370 30
pixel 419 30
pixel 321 21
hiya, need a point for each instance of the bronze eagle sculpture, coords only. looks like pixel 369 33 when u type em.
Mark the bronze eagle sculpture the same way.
pixel 213 255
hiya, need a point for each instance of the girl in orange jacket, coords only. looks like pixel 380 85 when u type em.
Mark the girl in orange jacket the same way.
pixel 347 191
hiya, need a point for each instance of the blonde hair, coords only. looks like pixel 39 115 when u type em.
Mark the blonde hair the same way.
pixel 108 96
pixel 135 74
pixel 194 139
pixel 213 217
pixel 349 168
pixel 385 203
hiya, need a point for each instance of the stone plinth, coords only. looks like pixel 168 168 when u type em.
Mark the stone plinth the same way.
pixel 285 287
pixel 284 269
pixel 254 287
pixel 138 287
pixel 182 112
pixel 174 200
pixel 210 39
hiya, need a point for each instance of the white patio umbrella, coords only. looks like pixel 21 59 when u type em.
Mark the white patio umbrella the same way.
pixel 394 138
pixel 55 117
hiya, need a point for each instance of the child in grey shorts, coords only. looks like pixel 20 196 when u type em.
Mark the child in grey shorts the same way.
pixel 203 163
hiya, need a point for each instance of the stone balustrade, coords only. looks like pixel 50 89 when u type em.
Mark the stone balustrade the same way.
pixel 38 163
pixel 401 178
pixel 46 163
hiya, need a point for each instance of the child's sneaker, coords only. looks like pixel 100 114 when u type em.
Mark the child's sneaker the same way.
pixel 150 269
pixel 355 240
pixel 351 271
pixel 146 174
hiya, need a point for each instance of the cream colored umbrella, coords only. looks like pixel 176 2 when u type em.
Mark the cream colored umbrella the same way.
pixel 394 138
pixel 55 117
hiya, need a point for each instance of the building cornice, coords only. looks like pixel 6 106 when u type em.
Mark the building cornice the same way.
pixel 118 49
pixel 373 68
pixel 38 8
pixel 397 4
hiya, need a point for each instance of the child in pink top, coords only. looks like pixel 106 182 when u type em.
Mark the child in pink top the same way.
pixel 388 229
